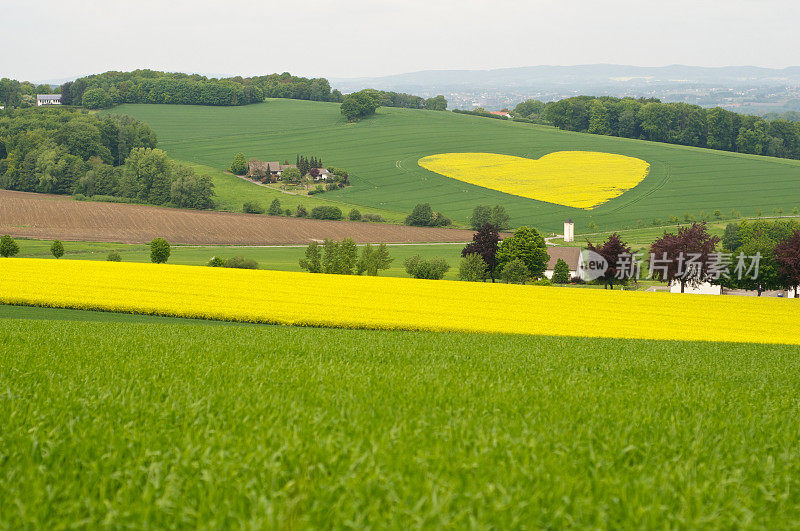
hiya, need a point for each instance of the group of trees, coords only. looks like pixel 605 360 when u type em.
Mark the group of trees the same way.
pixel 778 245
pixel 15 93
pixel 424 216
pixel 515 259
pixel 363 103
pixel 691 256
pixel 484 214
pixel 150 86
pixel 674 123
pixel 306 164
pixel 342 258
pixel 66 151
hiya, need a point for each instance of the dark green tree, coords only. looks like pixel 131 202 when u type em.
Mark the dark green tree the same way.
pixel 373 260
pixel 485 244
pixel 275 208
pixel 312 262
pixel 8 247
pixel 481 215
pixel 515 272
pixel 527 245
pixel 159 251
pixel 57 249
pixel 239 165
pixel 560 272
pixel 472 268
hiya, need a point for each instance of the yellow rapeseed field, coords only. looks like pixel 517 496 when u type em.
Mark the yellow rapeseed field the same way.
pixel 580 179
pixel 394 303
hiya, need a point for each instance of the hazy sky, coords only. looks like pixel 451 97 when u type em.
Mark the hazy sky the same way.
pixel 52 39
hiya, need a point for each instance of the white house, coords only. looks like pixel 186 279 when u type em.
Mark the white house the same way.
pixel 501 113
pixel 791 293
pixel 320 174
pixel 48 99
pixel 571 255
pixel 704 288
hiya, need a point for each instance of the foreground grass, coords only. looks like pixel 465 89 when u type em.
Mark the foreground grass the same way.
pixel 156 424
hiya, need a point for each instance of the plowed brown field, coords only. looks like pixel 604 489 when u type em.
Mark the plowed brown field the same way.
pixel 48 217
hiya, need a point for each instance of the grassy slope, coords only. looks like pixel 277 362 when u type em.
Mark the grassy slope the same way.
pixel 276 258
pixel 382 152
pixel 155 424
pixel 231 192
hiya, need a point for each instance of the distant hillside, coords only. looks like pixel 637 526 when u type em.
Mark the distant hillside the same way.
pixel 577 77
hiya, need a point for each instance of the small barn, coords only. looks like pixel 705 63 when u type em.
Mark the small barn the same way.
pixel 571 255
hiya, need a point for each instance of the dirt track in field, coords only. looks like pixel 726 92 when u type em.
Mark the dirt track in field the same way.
pixel 47 217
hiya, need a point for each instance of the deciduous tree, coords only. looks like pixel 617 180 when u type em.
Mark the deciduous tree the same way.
pixel 672 252
pixel 485 244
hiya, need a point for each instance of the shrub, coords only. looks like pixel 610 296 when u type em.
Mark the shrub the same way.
pixel 288 212
pixel 114 256
pixel 326 212
pixel 354 215
pixel 560 272
pixel 240 262
pixel 8 247
pixel 424 216
pixel 301 212
pixel 515 272
pixel 217 261
pixel 252 207
pixel 57 249
pixel 433 269
pixel 472 268
pixel 375 218
pixel 542 282
pixel 239 165
pixel 159 251
pixel 79 197
pixel 275 208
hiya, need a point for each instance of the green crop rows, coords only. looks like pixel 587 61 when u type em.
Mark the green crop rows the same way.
pixel 382 152
pixel 159 423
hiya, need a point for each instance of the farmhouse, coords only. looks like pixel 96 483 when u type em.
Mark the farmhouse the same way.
pixel 501 113
pixel 259 168
pixel 571 255
pixel 319 174
pixel 48 99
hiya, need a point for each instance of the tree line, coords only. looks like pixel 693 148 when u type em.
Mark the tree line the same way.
pixel 672 123
pixel 22 94
pixel 150 86
pixel 67 151
pixel 358 105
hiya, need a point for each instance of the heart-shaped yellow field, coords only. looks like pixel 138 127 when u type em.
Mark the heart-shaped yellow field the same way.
pixel 580 179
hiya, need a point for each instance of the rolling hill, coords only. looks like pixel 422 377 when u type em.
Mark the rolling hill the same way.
pixel 382 155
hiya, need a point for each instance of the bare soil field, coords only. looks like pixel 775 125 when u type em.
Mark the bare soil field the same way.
pixel 42 216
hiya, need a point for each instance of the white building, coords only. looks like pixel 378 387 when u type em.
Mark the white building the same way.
pixel 571 255
pixel 48 99
pixel 569 231
pixel 704 288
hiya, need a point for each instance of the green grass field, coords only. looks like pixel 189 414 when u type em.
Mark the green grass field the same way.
pixel 280 258
pixel 382 153
pixel 125 421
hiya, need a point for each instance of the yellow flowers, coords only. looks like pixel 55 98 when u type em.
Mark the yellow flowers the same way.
pixel 580 179
pixel 376 302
